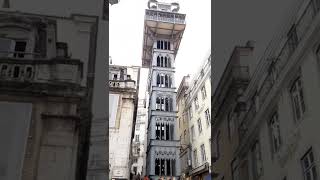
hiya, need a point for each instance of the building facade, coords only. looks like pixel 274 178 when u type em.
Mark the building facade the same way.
pixel 275 118
pixel 48 56
pixel 198 107
pixel 163 31
pixel 123 94
pixel 138 143
pixel 183 130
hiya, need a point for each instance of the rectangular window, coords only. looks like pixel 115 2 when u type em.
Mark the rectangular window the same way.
pixel 203 92
pixel 196 103
pixel 256 160
pixel 115 77
pixel 199 125
pixel 208 118
pixel 192 132
pixel 274 128
pixel 20 49
pixel 309 166
pixel 195 159
pixel 137 138
pixel 297 97
pixel 203 153
pixel 137 127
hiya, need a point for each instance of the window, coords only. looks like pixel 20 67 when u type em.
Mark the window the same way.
pixel 203 92
pixel 196 103
pixel 199 125
pixel 208 118
pixel 164 131
pixel 135 160
pixel 274 129
pixel 203 153
pixel 309 166
pixel 195 159
pixel 164 80
pixel 137 138
pixel 29 72
pixel 164 104
pixel 256 160
pixel 16 72
pixel 297 99
pixel 165 45
pixel 192 132
pixel 137 127
pixel 128 77
pixel 231 123
pixel 4 69
pixel 135 169
pixel 164 167
pixel 19 49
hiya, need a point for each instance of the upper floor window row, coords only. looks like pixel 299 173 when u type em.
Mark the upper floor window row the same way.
pixel 164 80
pixel 163 61
pixel 165 45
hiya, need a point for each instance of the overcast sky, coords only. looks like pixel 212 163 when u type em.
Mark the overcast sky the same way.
pixel 126 35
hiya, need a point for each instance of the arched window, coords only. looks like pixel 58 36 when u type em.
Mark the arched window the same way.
pixel 162 104
pixel 162 132
pixel 161 80
pixel 161 61
pixel 167 131
pixel 158 44
pixel 169 46
pixel 158 61
pixel 161 45
pixel 165 62
pixel 166 81
pixel 158 103
pixel 4 69
pixel 170 82
pixel 165 45
pixel 167 104
pixel 169 62
pixel 158 80
pixel 157 131
pixel 170 105
pixel 29 72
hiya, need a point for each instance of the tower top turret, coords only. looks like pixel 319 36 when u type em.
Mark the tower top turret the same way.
pixel 163 6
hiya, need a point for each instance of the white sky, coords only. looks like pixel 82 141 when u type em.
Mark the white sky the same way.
pixel 126 35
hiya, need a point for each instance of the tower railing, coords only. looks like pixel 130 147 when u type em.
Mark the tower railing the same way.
pixel 165 16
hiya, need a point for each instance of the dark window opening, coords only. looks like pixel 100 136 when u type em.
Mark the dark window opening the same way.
pixel 157 168
pixel 167 132
pixel 162 167
pixel 158 61
pixel 16 72
pixel 4 69
pixel 168 168
pixel 29 72
pixel 20 49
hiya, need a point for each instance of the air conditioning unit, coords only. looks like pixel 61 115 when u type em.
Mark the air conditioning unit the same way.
pixel 7 47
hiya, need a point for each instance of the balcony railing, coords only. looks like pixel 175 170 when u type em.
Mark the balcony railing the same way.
pixel 165 16
pixel 280 61
pixel 41 70
pixel 121 84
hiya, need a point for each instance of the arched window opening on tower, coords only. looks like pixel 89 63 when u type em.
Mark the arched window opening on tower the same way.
pixel 164 167
pixel 164 104
pixel 164 131
pixel 163 62
pixel 165 45
pixel 164 80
